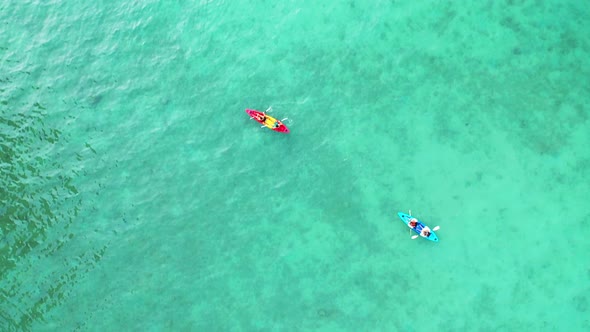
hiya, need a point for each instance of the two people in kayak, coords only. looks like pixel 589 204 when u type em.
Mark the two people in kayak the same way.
pixel 261 117
pixel 413 223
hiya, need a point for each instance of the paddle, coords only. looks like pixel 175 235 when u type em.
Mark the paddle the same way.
pixel 436 228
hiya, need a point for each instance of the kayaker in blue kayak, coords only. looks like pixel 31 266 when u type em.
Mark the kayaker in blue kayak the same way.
pixel 413 223
pixel 425 231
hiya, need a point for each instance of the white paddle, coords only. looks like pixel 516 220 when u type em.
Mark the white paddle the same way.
pixel 436 228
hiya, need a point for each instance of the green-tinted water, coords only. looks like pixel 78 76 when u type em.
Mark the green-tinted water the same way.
pixel 136 195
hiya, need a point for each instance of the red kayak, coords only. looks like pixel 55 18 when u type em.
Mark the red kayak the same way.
pixel 268 121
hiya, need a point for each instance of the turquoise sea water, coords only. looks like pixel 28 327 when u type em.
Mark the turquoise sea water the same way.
pixel 136 195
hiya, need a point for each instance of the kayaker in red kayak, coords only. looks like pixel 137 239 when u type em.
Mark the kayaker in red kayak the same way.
pixel 261 117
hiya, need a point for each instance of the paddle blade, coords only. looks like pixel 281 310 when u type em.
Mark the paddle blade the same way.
pixel 414 237
pixel 436 228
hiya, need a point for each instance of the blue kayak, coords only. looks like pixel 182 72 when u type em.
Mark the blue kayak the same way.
pixel 420 225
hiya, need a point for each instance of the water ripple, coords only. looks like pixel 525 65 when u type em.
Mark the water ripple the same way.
pixel 39 262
